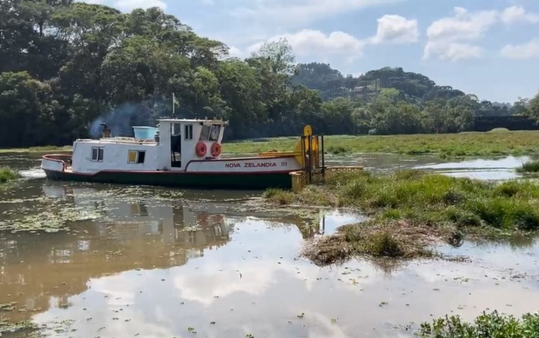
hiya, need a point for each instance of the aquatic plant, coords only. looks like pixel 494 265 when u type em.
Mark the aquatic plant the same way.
pixel 25 327
pixel 7 174
pixel 337 150
pixel 487 326
pixel 409 204
pixel 279 196
pixel 529 167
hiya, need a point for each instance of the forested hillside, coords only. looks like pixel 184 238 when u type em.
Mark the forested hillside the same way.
pixel 67 66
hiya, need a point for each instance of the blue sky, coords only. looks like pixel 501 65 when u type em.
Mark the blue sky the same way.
pixel 486 47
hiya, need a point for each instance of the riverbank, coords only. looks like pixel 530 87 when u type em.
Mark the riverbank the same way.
pixel 443 145
pixel 413 210
pixel 37 150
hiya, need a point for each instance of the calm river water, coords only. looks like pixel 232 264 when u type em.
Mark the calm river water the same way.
pixel 153 262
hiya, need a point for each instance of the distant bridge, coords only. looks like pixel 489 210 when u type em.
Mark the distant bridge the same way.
pixel 487 123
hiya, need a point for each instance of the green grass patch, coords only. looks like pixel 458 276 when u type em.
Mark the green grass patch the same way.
pixel 7 175
pixel 529 167
pixel 337 150
pixel 412 209
pixel 442 145
pixel 44 149
pixel 491 325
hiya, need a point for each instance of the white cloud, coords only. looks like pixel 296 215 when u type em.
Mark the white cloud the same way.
pixel 236 52
pixel 315 42
pixel 132 4
pixel 295 13
pixel 319 45
pixel 452 51
pixel 462 26
pixel 516 14
pixel 392 29
pixel 396 29
pixel 448 36
pixel 521 52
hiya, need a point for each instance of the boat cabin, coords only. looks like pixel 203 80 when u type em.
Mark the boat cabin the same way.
pixel 169 147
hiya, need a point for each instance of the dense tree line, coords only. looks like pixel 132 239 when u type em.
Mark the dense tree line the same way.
pixel 64 65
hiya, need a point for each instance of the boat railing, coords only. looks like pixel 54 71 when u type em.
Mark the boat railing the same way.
pixel 121 140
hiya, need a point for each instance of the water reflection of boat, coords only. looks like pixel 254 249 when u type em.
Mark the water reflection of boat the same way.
pixel 134 235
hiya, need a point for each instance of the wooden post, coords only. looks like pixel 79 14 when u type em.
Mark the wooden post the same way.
pixel 323 157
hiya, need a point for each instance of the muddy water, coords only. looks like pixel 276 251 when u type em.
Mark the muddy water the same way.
pixel 152 262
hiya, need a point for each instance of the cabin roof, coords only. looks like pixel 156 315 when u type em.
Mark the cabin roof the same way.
pixel 221 122
pixel 118 140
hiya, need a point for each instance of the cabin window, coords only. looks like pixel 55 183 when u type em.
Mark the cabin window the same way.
pixel 188 131
pixel 205 133
pixel 215 131
pixel 136 157
pixel 98 154
pixel 176 129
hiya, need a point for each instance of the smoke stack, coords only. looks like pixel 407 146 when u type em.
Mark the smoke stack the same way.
pixel 107 133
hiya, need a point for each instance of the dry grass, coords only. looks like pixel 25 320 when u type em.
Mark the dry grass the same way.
pixel 399 240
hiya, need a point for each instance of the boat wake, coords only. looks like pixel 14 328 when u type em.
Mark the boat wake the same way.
pixel 33 173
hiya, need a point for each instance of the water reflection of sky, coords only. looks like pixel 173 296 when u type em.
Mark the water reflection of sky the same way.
pixel 158 261
pixel 256 284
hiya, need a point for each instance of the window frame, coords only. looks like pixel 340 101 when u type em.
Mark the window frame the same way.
pixel 205 136
pixel 213 127
pixel 188 132
pixel 100 154
pixel 137 156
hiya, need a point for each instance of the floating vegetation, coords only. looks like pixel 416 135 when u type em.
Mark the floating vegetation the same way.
pixel 529 167
pixel 7 174
pixel 487 325
pixel 391 240
pixel 7 307
pixel 49 220
pixel 413 209
pixel 17 327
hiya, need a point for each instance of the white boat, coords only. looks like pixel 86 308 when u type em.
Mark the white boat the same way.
pixel 179 152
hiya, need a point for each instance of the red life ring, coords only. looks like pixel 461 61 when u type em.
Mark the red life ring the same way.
pixel 201 149
pixel 216 149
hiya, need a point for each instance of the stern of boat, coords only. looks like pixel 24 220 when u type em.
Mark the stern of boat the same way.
pixel 56 163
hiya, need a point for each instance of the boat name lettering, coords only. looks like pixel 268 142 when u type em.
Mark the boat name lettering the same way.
pixel 254 165
pixel 260 165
